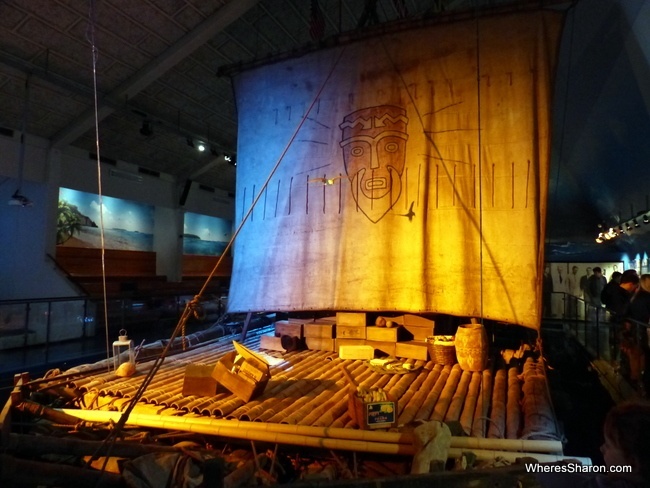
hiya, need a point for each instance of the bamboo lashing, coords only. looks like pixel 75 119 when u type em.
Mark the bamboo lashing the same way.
pixel 263 432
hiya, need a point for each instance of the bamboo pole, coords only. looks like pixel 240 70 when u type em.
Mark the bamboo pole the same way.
pixel 369 442
pixel 426 409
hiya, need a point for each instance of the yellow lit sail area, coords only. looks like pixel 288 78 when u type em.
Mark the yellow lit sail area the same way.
pixel 405 172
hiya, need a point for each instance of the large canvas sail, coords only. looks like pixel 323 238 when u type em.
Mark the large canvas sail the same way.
pixel 406 172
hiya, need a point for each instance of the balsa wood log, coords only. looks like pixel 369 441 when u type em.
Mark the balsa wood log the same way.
pixel 497 427
pixel 513 407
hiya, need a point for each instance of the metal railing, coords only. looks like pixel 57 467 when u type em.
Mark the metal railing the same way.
pixel 597 328
pixel 44 321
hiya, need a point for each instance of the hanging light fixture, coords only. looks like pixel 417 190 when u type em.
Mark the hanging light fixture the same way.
pixel 18 199
pixel 146 129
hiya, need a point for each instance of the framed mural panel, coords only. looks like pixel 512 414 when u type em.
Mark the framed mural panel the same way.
pixel 127 225
pixel 205 235
pixel 568 281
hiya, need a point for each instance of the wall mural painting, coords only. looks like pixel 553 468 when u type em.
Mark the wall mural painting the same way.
pixel 205 235
pixel 127 225
pixel 568 287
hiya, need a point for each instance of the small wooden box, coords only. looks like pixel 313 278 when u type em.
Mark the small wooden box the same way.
pixel 321 343
pixel 412 350
pixel 249 380
pixel 372 415
pixel 361 351
pixel 392 334
pixel 350 332
pixel 417 321
pixel 198 380
pixel 417 328
pixel 271 342
pixel 383 346
pixel 289 327
pixel 317 329
pixel 351 319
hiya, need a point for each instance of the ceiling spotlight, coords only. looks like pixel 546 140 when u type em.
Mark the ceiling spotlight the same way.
pixel 146 129
pixel 646 219
pixel 599 240
pixel 621 230
pixel 628 227
pixel 636 224
pixel 201 147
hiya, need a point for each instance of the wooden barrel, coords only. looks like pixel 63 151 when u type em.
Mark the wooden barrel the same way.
pixel 472 347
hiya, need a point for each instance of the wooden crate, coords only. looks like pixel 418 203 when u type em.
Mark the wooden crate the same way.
pixel 249 380
pixel 386 334
pixel 198 380
pixel 289 327
pixel 412 350
pixel 271 342
pixel 351 319
pixel 383 346
pixel 321 343
pixel 372 415
pixel 360 351
pixel 350 332
pixel 417 328
pixel 338 342
pixel 317 329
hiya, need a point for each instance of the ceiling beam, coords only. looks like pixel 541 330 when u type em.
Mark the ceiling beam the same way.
pixel 198 36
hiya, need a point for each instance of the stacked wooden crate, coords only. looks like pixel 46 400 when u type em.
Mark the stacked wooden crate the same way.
pixel 350 334
pixel 320 334
pixel 406 338
pixel 292 329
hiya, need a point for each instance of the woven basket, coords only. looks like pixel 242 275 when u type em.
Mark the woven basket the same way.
pixel 442 349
